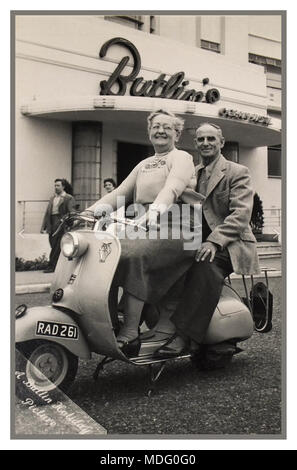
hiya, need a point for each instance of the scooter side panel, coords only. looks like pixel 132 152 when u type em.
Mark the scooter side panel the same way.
pixel 95 280
pixel 86 283
pixel 26 329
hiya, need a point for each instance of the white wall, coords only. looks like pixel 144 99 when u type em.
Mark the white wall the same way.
pixel 235 42
pixel 44 150
pixel 32 246
pixel 211 28
pixel 180 28
pixel 267 26
pixel 43 153
pixel 265 35
pixel 264 47
pixel 269 189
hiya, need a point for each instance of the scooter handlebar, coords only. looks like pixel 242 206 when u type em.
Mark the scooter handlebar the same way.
pixel 122 220
pixel 76 217
pixel 84 217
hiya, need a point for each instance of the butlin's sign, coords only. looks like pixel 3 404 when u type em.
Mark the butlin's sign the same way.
pixel 172 88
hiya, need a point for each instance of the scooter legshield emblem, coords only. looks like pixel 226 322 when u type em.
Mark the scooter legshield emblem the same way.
pixel 104 251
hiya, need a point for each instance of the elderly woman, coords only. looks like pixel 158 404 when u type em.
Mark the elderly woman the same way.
pixel 149 267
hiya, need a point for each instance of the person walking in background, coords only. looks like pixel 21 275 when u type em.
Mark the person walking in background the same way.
pixel 60 204
pixel 109 185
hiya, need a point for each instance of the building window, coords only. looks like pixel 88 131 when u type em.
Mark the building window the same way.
pixel 262 60
pixel 141 22
pixel 210 46
pixel 131 21
pixel 152 24
pixel 274 162
pixel 231 151
pixel 273 76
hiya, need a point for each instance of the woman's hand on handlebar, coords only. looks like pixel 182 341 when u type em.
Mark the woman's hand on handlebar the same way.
pixel 102 210
pixel 87 213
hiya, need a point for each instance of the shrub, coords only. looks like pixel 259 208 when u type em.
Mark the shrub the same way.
pixel 257 218
pixel 29 265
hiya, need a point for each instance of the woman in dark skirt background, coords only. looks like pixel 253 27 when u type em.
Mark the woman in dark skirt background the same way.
pixel 151 264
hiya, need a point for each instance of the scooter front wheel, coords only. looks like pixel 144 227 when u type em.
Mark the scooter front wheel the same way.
pixel 42 369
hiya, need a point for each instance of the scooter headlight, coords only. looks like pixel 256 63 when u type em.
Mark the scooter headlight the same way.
pixel 73 245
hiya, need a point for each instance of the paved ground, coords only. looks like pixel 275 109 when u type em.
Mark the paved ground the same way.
pixel 33 277
pixel 244 399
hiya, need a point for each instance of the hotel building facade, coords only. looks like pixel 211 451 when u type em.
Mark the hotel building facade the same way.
pixel 85 85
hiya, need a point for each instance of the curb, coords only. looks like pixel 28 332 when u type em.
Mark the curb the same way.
pixel 39 288
pixel 32 288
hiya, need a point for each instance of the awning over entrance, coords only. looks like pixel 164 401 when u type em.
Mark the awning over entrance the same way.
pixel 241 127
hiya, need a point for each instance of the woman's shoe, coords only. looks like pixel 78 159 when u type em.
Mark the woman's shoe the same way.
pixel 130 348
pixel 174 346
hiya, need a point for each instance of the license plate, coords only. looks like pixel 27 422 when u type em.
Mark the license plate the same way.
pixel 58 330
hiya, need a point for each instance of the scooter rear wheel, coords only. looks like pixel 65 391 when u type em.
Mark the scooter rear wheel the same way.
pixel 208 360
pixel 43 370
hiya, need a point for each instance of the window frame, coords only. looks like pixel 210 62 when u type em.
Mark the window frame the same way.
pixel 264 60
pixel 206 45
pixel 145 23
pixel 279 149
pixel 231 146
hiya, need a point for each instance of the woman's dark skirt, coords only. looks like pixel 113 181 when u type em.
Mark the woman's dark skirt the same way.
pixel 148 268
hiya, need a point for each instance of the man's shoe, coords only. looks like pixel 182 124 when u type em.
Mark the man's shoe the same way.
pixel 175 346
pixel 130 348
pixel 49 270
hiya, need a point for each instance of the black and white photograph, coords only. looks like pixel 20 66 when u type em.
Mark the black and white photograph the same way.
pixel 148 154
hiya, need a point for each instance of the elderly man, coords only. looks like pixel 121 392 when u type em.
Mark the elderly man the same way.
pixel 228 243
pixel 59 205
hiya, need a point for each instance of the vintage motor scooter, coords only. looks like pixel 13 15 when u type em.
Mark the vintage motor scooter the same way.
pixel 84 319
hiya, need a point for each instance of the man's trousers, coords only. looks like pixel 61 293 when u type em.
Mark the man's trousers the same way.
pixel 202 289
pixel 55 241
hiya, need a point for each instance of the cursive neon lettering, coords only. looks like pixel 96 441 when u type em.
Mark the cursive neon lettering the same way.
pixel 173 88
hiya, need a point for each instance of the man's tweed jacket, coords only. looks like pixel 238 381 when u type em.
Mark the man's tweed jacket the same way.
pixel 227 209
pixel 66 205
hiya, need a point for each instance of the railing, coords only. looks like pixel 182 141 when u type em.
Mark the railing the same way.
pixel 31 213
pixel 272 220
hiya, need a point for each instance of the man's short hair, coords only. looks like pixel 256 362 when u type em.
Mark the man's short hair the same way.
pixel 110 180
pixel 62 181
pixel 212 125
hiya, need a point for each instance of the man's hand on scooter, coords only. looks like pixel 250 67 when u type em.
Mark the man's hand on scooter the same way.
pixel 206 249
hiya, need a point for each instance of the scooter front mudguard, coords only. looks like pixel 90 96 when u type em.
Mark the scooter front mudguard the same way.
pixel 51 324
